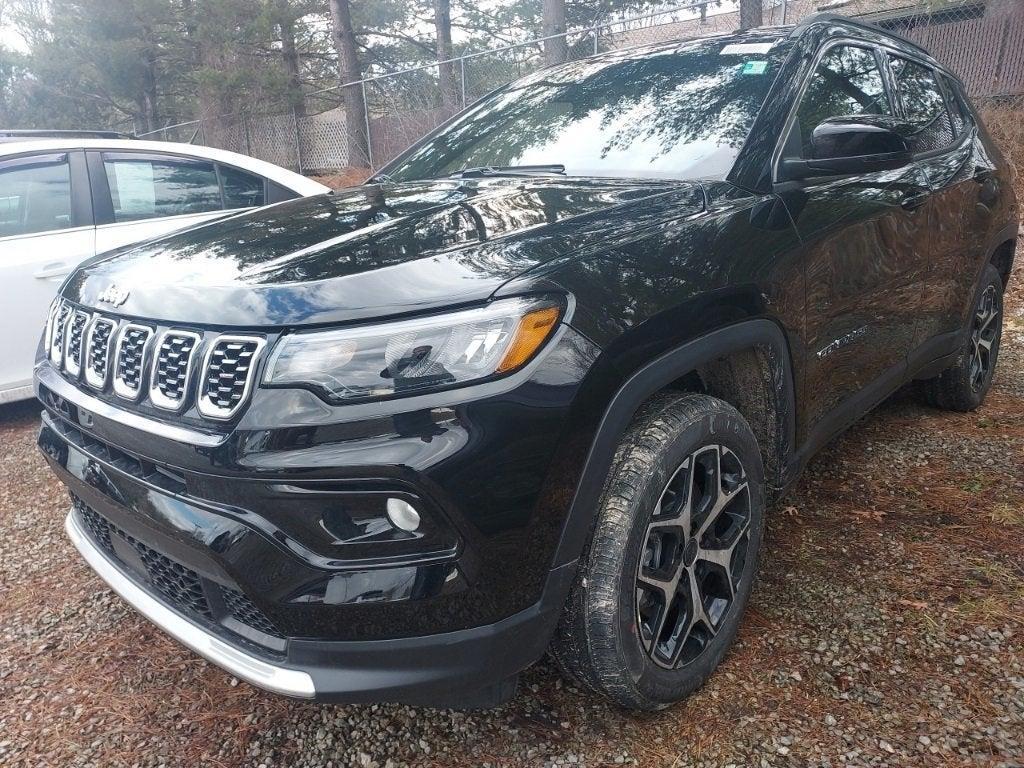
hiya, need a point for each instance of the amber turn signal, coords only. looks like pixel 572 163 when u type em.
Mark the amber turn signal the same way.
pixel 532 331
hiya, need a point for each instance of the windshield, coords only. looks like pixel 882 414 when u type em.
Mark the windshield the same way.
pixel 683 112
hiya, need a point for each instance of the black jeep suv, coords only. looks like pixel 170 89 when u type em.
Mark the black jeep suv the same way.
pixel 533 385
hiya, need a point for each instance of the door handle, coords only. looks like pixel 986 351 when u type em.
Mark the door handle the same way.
pixel 913 201
pixel 55 269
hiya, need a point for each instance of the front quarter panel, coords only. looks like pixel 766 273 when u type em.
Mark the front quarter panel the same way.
pixel 682 277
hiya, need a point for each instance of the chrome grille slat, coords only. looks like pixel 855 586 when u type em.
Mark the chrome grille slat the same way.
pixel 172 369
pixel 97 351
pixel 228 370
pixel 129 359
pixel 63 314
pixel 51 314
pixel 74 335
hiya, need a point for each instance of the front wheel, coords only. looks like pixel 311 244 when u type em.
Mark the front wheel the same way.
pixel 672 558
pixel 963 386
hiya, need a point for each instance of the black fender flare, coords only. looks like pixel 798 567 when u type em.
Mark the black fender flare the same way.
pixel 651 378
pixel 1007 234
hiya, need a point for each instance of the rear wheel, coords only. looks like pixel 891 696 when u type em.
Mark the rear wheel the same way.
pixel 963 386
pixel 672 558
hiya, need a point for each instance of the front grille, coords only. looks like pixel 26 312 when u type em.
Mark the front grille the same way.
pixel 97 351
pixel 178 584
pixel 132 360
pixel 57 334
pixel 172 369
pixel 227 375
pixel 73 351
pixel 130 355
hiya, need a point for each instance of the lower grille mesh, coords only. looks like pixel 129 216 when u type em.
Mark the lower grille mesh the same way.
pixel 178 584
pixel 243 609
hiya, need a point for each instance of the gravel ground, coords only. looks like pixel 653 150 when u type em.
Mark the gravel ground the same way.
pixel 887 630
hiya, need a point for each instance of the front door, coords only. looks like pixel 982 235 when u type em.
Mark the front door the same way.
pixel 862 240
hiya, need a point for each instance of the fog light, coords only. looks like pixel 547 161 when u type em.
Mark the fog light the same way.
pixel 403 515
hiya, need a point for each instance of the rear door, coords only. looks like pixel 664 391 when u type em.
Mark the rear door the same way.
pixel 943 144
pixel 46 229
pixel 144 195
pixel 863 240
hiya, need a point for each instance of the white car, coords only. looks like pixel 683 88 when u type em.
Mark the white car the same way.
pixel 66 199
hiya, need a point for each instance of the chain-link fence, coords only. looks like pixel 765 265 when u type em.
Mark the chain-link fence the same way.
pixel 981 40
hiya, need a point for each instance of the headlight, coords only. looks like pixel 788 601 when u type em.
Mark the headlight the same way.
pixel 409 356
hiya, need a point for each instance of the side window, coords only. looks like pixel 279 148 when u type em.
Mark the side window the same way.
pixel 847 81
pixel 241 189
pixel 957 108
pixel 35 197
pixel 923 104
pixel 146 188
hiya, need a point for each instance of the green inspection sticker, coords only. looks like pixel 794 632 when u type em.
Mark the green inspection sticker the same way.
pixel 754 68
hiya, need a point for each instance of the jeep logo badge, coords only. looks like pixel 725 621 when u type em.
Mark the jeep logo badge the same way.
pixel 114 295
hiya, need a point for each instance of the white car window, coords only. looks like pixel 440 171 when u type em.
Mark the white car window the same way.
pixel 147 188
pixel 241 189
pixel 35 197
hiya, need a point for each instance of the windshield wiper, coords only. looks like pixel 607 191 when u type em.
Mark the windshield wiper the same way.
pixel 510 170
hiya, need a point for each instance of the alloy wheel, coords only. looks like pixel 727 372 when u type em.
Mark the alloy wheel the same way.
pixel 692 563
pixel 983 337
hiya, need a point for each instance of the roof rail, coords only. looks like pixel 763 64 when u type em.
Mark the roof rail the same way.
pixel 44 133
pixel 838 18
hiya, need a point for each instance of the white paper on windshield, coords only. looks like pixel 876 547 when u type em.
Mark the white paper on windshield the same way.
pixel 747 48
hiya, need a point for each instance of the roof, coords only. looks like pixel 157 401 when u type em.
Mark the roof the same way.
pixel 635 51
pixel 300 184
pixel 836 18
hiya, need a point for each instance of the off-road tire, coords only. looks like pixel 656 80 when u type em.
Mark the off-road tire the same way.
pixel 599 642
pixel 963 386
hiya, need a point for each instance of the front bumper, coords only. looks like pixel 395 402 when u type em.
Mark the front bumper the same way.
pixel 220 538
pixel 288 501
pixel 469 668
pixel 279 679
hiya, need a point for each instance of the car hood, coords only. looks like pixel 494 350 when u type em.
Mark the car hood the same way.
pixel 371 251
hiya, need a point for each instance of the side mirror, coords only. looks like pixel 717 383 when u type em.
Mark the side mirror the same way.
pixel 851 145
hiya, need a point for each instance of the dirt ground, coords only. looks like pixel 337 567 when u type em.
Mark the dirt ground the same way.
pixel 887 629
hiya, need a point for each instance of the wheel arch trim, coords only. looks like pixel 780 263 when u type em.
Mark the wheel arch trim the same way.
pixel 655 376
pixel 1006 235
